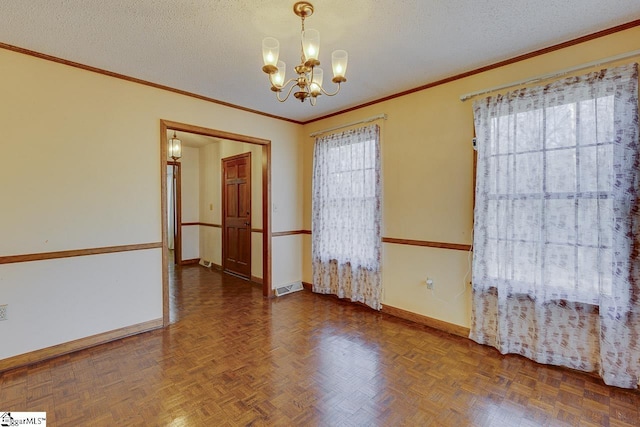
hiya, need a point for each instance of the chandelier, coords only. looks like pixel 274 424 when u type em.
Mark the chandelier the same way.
pixel 309 79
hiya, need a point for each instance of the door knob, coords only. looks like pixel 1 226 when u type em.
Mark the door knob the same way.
pixel 247 223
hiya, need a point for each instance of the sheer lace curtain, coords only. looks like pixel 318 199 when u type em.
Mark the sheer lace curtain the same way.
pixel 171 219
pixel 346 220
pixel 556 271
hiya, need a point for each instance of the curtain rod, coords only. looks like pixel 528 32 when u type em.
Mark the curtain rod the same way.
pixel 367 120
pixel 551 75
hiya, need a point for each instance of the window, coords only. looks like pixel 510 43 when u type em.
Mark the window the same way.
pixel 349 205
pixel 548 178
pixel 556 226
pixel 346 220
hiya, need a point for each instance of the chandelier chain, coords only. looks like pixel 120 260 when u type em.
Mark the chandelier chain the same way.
pixel 301 48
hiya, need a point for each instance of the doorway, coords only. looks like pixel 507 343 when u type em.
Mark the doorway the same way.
pixel 265 145
pixel 236 215
pixel 174 213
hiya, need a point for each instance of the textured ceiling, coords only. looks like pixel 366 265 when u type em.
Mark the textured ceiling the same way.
pixel 213 47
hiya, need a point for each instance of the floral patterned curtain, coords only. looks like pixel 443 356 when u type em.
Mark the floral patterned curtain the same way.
pixel 346 220
pixel 556 270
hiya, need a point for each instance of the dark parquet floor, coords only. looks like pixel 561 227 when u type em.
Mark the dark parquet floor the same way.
pixel 232 358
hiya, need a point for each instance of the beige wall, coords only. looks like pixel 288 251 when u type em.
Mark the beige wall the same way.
pixel 84 172
pixel 427 168
pixel 211 201
pixel 190 201
pixel 284 213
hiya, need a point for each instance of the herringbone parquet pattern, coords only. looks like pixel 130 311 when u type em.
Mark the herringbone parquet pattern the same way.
pixel 232 358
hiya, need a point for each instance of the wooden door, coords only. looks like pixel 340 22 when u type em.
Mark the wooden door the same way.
pixel 236 214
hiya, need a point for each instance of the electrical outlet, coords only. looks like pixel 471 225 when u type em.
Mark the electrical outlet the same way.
pixel 3 312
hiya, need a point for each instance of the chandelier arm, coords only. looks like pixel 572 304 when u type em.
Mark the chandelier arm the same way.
pixel 330 94
pixel 293 79
pixel 271 80
pixel 288 93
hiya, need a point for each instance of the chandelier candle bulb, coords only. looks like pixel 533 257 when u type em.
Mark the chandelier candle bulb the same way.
pixel 339 60
pixel 278 76
pixel 311 47
pixel 316 83
pixel 270 52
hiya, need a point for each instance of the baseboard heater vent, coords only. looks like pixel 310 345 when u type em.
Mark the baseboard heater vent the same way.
pixel 288 289
pixel 204 263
